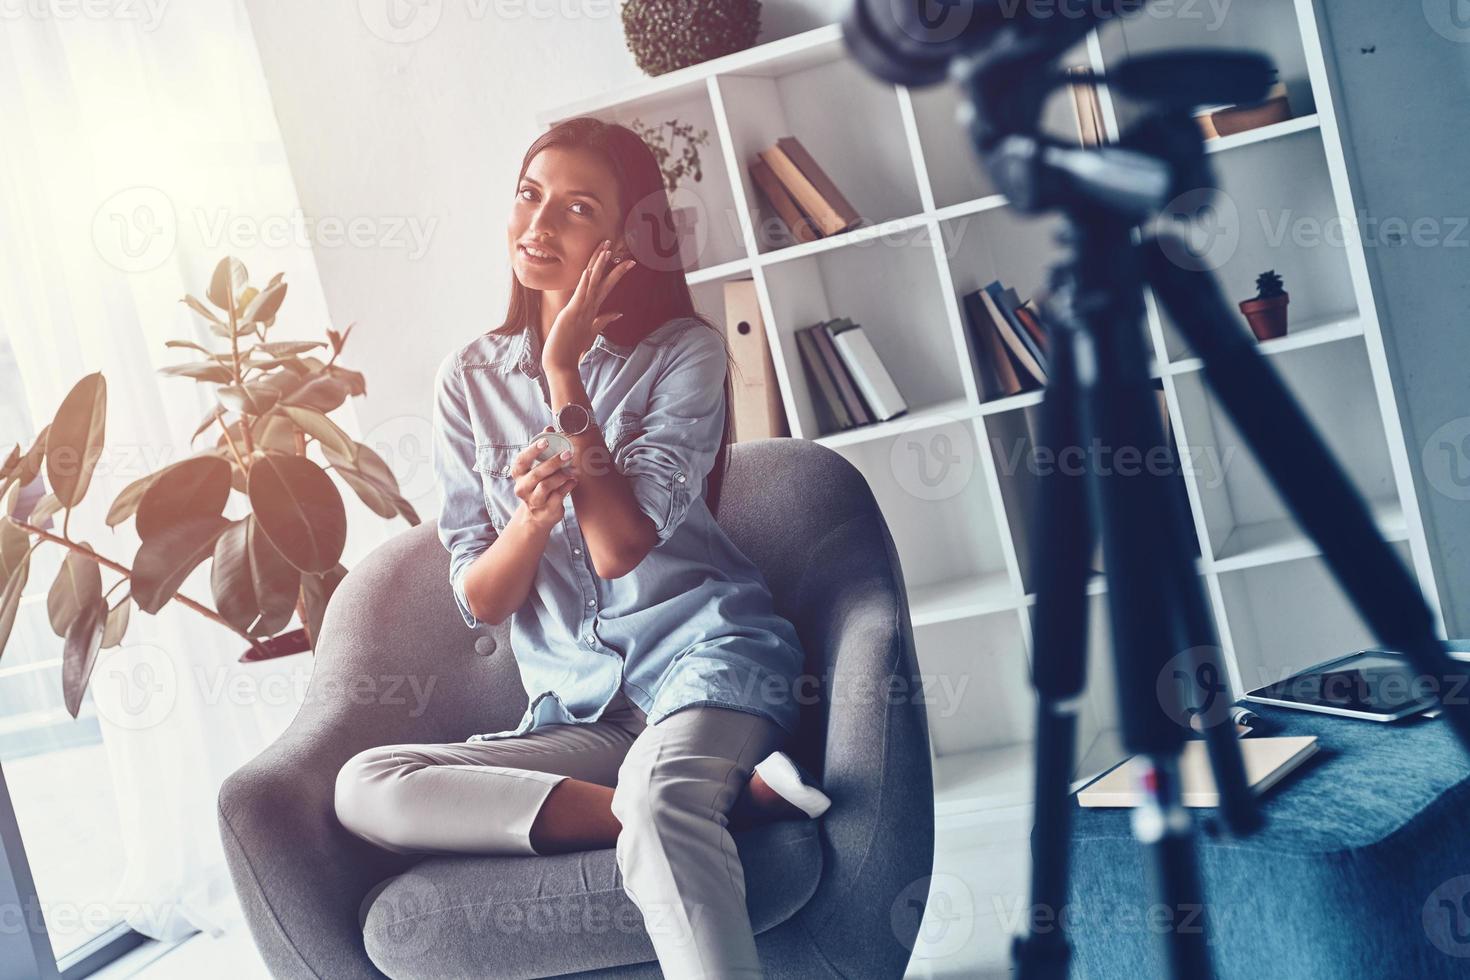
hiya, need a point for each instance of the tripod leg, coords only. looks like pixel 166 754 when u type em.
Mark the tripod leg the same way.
pixel 1061 541
pixel 1322 499
pixel 1145 560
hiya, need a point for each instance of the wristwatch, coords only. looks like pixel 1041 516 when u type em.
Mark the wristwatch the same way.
pixel 572 419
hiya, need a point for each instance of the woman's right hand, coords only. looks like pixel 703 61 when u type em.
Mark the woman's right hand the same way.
pixel 542 487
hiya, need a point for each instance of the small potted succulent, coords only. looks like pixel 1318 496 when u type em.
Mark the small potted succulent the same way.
pixel 675 146
pixel 1266 311
pixel 666 36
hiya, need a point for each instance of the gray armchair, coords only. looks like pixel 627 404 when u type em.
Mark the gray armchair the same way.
pixel 841 896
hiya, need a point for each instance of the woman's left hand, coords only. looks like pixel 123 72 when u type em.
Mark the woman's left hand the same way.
pixel 579 323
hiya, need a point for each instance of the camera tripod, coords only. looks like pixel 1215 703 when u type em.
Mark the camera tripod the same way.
pixel 1099 393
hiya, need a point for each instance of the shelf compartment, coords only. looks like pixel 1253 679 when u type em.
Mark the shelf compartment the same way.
pixel 931 485
pixel 1267 26
pixel 977 683
pixel 1246 521
pixel 892 290
pixel 1275 210
pixel 795 97
pixel 955 173
pixel 972 595
pixel 1288 616
pixel 1325 330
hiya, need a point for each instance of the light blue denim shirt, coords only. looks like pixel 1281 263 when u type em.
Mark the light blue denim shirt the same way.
pixel 694 623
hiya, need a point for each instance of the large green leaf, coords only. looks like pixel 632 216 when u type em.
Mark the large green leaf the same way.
pixel 78 584
pixel 75 439
pixel 316 592
pixel 250 399
pixel 276 582
pixel 166 559
pixel 228 279
pixel 321 392
pixel 195 487
pixel 230 578
pixel 300 509
pixel 117 622
pixel 374 482
pixel 274 433
pixel 200 371
pixel 15 544
pixel 282 348
pixel 199 308
pixel 30 463
pixel 14 585
pixel 80 653
pixel 11 462
pixel 265 304
pixel 323 430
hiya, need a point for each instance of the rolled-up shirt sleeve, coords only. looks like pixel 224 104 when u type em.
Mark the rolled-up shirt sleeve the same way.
pixel 464 521
pixel 667 458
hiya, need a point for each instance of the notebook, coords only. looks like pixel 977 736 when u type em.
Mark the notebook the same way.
pixel 1267 761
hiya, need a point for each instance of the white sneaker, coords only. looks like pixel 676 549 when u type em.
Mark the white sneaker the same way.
pixel 793 783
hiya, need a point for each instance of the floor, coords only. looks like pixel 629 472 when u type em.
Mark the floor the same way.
pixel 965 933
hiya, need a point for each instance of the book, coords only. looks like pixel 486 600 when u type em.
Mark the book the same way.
pixel 1010 333
pixel 1227 120
pixel 995 371
pixel 1032 323
pixel 831 413
pixel 801 226
pixel 755 392
pixel 1267 762
pixel 1011 307
pixel 846 388
pixel 810 186
pixel 868 372
pixel 1090 127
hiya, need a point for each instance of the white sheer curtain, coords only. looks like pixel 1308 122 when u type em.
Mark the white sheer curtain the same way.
pixel 139 147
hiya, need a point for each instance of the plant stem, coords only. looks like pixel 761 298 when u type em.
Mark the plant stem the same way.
pixel 127 573
pixel 239 380
pixel 233 451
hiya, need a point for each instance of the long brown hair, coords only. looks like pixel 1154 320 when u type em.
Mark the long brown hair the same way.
pixel 654 291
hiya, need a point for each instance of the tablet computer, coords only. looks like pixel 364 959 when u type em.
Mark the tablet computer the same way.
pixel 1374 684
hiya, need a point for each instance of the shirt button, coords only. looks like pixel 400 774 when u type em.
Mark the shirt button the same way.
pixel 591 603
pixel 505 471
pixel 680 477
pixel 591 640
pixel 576 551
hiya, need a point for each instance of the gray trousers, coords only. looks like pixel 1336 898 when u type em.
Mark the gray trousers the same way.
pixel 673 786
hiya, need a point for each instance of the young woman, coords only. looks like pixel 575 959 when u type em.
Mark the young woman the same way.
pixel 661 678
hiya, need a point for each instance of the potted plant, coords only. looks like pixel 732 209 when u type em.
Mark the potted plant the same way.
pixel 675 146
pixel 664 36
pixel 1266 311
pixel 272 398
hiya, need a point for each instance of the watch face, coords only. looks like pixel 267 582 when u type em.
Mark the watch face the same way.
pixel 573 418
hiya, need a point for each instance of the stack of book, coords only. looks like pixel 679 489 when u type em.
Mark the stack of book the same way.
pixel 1090 128
pixel 1008 347
pixel 801 193
pixel 849 384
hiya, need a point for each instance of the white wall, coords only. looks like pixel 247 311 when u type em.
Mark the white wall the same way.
pixel 1401 80
pixel 430 132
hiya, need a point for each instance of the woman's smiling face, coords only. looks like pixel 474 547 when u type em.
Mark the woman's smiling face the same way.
pixel 565 205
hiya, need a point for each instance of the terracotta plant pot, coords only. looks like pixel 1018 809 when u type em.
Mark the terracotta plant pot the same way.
pixel 1267 317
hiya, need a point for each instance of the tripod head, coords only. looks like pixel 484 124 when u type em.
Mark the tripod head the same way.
pixel 1006 57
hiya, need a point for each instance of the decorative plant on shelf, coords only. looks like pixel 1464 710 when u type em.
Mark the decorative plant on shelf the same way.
pixel 1266 311
pixel 687 162
pixel 280 559
pixel 665 36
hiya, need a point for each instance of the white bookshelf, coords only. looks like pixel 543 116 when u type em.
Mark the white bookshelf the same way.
pixel 934 229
